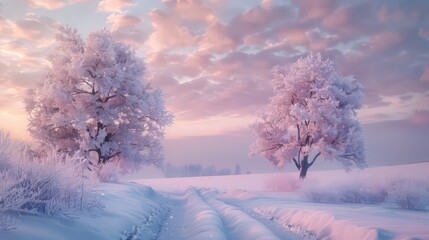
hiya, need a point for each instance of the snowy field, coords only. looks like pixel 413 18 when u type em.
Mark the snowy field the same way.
pixel 370 204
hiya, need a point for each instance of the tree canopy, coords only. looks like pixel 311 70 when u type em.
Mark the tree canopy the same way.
pixel 312 114
pixel 94 100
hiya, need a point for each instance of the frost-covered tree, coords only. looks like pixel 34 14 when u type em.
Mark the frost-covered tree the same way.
pixel 94 100
pixel 312 114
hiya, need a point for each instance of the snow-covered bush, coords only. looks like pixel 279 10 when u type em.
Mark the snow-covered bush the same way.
pixel 110 172
pixel 282 183
pixel 54 185
pixel 352 191
pixel 406 193
pixel 410 194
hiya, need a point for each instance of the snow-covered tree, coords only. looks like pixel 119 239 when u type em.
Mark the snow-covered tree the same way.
pixel 94 100
pixel 312 114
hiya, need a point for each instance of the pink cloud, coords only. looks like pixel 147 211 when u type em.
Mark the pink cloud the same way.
pixel 315 9
pixel 222 78
pixel 191 10
pixel 425 75
pixel 386 15
pixel 179 65
pixel 168 32
pixel 216 39
pixel 113 5
pixel 48 4
pixel 348 22
pixel 53 4
pixel 127 28
pixel 25 43
pixel 248 27
pixel 36 28
pixel 420 117
pixel 220 63
pixel 223 87
pixel 119 20
pixel 257 20
pixel 31 28
pixel 385 41
pixel 224 66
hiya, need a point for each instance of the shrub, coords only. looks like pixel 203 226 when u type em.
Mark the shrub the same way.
pixel 54 185
pixel 282 183
pixel 407 193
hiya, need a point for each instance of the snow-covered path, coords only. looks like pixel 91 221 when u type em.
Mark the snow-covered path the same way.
pixel 199 214
pixel 173 226
pixel 191 218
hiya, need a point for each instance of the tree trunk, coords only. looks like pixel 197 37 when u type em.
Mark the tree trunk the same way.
pixel 304 167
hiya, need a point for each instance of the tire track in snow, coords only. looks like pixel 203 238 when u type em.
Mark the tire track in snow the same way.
pixel 241 225
pixel 149 228
pixel 191 218
pixel 274 224
pixel 284 232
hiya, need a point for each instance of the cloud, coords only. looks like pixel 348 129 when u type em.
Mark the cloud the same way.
pixel 191 10
pixel 127 28
pixel 53 4
pixel 221 66
pixel 24 45
pixel 48 4
pixel 309 9
pixel 220 88
pixel 213 58
pixel 420 117
pixel 425 74
pixel 32 28
pixel 113 5
pixel 264 21
pixel 169 32
pixel 119 20
pixel 216 39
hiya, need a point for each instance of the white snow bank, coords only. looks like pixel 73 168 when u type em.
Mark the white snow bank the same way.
pixel 130 209
pixel 346 221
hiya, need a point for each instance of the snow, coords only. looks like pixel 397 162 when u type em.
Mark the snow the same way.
pixel 192 218
pixel 259 193
pixel 126 206
pixel 239 207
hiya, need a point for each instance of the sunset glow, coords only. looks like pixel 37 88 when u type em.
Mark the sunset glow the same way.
pixel 213 59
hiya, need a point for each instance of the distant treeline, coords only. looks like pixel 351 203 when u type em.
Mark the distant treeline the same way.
pixel 194 170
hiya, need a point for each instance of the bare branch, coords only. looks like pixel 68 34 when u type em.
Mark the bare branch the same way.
pixel 314 159
pixel 296 164
pixel 274 147
pixel 299 133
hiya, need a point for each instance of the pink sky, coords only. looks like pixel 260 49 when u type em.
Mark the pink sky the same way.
pixel 213 58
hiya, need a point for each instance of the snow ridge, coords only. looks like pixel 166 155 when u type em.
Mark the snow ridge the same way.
pixel 240 224
pixel 192 218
